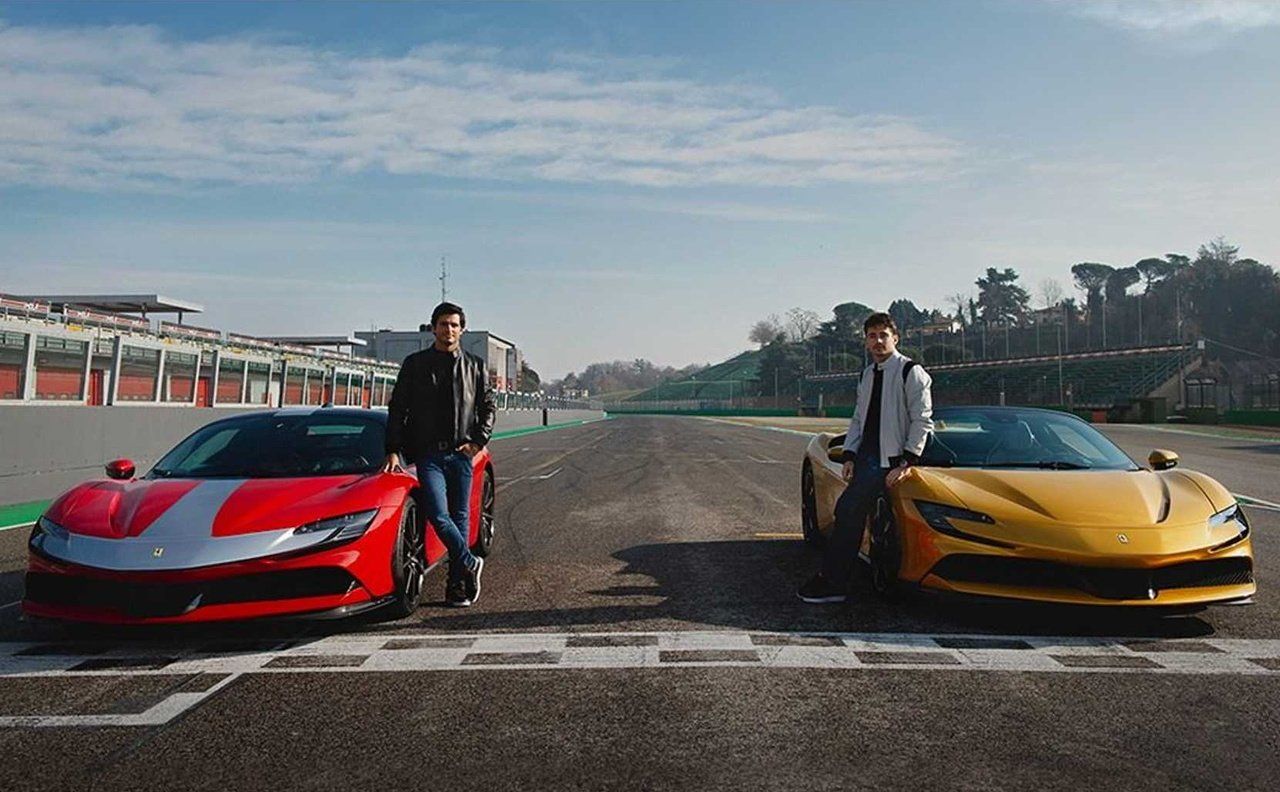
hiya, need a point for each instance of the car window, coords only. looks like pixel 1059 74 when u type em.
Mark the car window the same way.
pixel 272 446
pixel 1016 437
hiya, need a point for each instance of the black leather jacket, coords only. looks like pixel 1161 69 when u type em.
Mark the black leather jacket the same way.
pixel 416 399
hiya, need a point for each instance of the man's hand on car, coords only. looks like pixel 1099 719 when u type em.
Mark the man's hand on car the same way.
pixel 393 464
pixel 470 449
pixel 897 474
pixel 847 471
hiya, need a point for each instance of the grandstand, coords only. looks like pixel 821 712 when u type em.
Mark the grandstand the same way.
pixel 732 379
pixel 86 353
pixel 1091 380
pixel 1096 380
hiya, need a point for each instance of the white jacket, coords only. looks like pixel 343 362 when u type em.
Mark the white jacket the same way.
pixel 906 409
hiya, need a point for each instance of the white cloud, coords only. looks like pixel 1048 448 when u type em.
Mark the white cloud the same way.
pixel 1178 17
pixel 129 107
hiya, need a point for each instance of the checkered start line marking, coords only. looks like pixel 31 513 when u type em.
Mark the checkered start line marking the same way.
pixel 585 651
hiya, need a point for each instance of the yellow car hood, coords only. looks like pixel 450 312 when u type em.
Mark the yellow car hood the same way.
pixel 1079 498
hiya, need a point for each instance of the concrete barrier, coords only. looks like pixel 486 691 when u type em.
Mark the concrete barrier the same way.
pixel 46 449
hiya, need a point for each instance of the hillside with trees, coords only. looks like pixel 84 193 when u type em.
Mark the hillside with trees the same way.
pixel 1230 302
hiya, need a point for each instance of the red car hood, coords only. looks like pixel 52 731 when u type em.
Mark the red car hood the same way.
pixel 207 508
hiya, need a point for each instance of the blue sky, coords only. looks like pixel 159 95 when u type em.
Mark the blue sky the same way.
pixel 621 180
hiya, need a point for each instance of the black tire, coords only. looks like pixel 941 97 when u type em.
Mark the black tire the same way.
pixel 488 519
pixel 408 563
pixel 886 551
pixel 809 508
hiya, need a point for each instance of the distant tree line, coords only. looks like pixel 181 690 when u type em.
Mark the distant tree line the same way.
pixel 621 375
pixel 1174 298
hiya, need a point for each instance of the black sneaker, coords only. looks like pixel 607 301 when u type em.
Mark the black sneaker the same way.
pixel 455 595
pixel 820 591
pixel 471 581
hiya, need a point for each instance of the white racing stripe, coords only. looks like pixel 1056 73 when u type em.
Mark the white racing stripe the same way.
pixel 180 538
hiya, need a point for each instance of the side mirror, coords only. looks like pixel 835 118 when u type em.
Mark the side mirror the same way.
pixel 1162 459
pixel 836 453
pixel 121 469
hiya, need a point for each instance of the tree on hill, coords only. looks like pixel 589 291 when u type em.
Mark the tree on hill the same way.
pixel 1232 300
pixel 765 330
pixel 1091 277
pixel 1218 250
pixel 959 301
pixel 1119 281
pixel 620 375
pixel 782 364
pixel 1000 298
pixel 849 317
pixel 1152 271
pixel 802 324
pixel 906 315
pixel 1051 292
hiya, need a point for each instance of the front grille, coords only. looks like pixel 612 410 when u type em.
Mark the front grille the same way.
pixel 1102 582
pixel 152 600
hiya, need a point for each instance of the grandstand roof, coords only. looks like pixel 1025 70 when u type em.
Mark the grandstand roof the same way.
pixel 120 303
pixel 317 340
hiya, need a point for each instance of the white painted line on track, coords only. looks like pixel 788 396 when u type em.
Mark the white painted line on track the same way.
pixel 755 426
pixel 869 652
pixel 156 715
pixel 27 524
pixel 9 605
pixel 755 458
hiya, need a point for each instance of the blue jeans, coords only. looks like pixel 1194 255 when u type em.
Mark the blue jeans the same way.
pixel 445 499
pixel 852 510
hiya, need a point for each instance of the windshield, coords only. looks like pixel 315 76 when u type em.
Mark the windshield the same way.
pixel 1015 438
pixel 277 446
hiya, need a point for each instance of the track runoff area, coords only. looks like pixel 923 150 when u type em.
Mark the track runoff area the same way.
pixel 638 627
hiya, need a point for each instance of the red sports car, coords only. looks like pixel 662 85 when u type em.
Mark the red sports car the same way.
pixel 263 514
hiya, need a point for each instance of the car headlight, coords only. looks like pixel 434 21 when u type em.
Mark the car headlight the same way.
pixel 940 515
pixel 1232 515
pixel 45 527
pixel 339 529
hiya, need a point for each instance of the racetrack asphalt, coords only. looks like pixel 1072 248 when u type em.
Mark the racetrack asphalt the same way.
pixel 651 530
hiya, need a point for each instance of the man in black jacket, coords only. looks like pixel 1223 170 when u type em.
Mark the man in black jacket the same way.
pixel 440 416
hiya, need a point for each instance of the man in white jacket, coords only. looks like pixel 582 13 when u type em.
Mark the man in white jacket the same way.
pixel 887 433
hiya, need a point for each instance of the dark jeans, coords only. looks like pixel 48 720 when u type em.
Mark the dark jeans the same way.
pixel 445 500
pixel 852 510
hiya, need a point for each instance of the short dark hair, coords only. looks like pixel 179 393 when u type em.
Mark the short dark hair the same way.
pixel 880 319
pixel 445 309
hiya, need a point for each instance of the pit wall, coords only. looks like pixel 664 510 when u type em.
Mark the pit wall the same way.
pixel 46 449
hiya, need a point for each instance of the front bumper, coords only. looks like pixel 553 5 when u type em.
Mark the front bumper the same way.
pixel 1194 582
pixel 334 580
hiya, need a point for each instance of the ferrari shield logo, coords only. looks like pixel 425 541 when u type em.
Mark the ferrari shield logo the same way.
pixel 1122 538
pixel 156 552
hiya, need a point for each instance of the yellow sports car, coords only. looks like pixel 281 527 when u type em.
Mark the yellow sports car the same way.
pixel 1031 504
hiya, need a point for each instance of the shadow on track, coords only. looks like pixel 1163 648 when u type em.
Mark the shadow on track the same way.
pixel 750 585
pixel 745 585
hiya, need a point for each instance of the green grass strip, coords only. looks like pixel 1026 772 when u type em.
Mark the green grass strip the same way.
pixel 20 514
pixel 536 429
